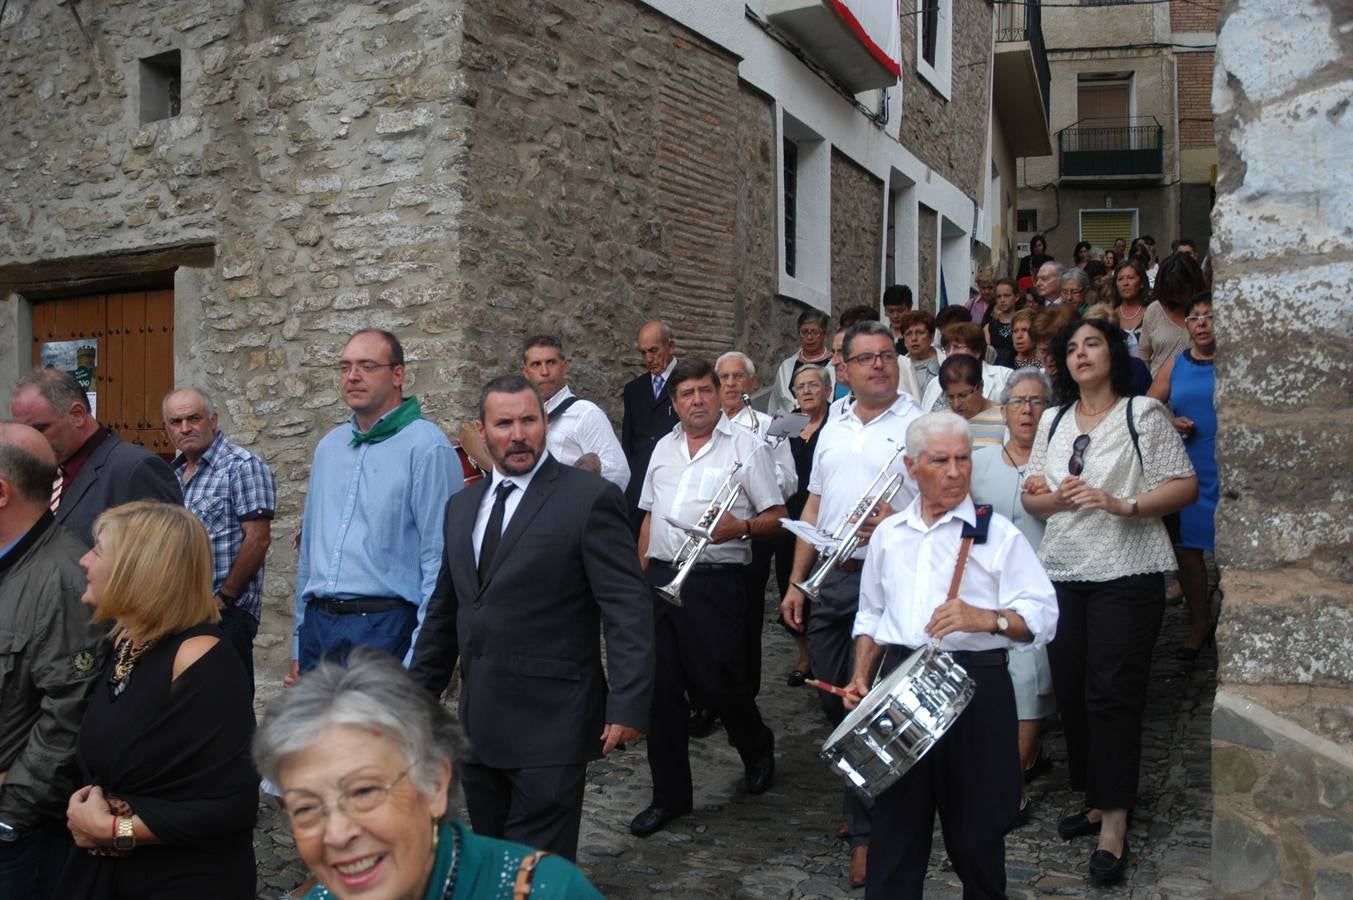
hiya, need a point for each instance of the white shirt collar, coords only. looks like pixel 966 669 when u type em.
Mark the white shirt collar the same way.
pixel 965 511
pixel 522 481
pixel 559 397
pixel 898 408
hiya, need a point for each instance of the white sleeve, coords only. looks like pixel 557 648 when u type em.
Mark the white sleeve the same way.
pixel 873 595
pixel 758 479
pixel 596 435
pixel 785 472
pixel 1025 588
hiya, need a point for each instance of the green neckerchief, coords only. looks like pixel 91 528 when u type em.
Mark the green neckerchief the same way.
pixel 391 424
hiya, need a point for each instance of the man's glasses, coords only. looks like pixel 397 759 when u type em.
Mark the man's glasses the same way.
pixel 1031 402
pixel 307 816
pixel 366 367
pixel 867 359
pixel 1076 464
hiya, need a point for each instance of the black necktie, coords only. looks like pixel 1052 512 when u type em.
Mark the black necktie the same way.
pixel 493 532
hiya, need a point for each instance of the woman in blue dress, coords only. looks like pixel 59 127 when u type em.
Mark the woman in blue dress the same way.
pixel 1186 383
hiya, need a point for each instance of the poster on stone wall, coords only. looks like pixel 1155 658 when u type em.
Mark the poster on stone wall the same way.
pixel 80 358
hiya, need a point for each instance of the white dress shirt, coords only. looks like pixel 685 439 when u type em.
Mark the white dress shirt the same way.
pixel 782 454
pixel 481 521
pixel 907 573
pixel 584 428
pixel 850 454
pixel 681 486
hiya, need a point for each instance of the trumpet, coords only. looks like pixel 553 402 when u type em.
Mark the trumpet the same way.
pixel 747 404
pixel 847 535
pixel 700 535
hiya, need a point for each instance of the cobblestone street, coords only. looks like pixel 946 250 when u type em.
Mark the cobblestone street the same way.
pixel 782 844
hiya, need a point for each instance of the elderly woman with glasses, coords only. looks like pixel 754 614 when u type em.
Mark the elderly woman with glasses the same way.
pixel 814 327
pixel 365 761
pixel 998 473
pixel 1104 468
pixel 170 797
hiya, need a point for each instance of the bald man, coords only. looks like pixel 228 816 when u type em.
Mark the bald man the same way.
pixel 234 493
pixel 648 409
pixel 52 657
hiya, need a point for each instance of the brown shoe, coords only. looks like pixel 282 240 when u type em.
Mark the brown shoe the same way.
pixel 858 863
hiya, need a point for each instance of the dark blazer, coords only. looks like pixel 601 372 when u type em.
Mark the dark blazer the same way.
pixel 533 692
pixel 645 422
pixel 115 473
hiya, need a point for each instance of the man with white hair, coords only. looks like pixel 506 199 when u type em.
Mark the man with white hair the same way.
pixel 737 376
pixel 998 600
pixel 1048 282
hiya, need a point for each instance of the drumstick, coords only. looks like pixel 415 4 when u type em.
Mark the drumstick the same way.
pixel 831 689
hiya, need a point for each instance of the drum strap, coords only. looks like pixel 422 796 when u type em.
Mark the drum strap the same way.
pixel 963 549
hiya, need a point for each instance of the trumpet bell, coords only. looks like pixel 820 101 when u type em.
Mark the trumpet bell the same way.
pixel 671 592
pixel 809 590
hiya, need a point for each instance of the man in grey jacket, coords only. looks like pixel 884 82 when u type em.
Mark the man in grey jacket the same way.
pixel 95 469
pixel 49 659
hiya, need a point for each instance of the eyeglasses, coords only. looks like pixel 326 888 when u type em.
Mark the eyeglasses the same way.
pixel 734 376
pixel 867 359
pixel 1076 464
pixel 308 816
pixel 807 386
pixel 366 367
pixel 811 332
pixel 955 399
pixel 1031 402
pixel 1201 317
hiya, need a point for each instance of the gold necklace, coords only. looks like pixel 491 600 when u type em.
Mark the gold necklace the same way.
pixel 127 655
pixel 1088 413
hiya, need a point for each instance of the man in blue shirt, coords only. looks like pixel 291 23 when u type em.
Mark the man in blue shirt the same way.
pixel 234 493
pixel 371 537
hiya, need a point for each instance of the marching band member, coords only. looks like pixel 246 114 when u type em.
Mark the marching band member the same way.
pixel 1001 600
pixel 859 439
pixel 579 433
pixel 737 378
pixel 700 646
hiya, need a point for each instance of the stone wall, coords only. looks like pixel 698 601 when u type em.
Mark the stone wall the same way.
pixel 950 135
pixel 464 174
pixel 857 239
pixel 1284 248
pixel 927 294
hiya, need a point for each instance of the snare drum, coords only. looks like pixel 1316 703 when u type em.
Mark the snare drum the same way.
pixel 898 721
pixel 469 469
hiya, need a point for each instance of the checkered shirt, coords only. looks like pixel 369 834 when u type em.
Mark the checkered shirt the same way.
pixel 230 486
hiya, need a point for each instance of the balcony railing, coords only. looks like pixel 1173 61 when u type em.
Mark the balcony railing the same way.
pixel 1112 147
pixel 1024 22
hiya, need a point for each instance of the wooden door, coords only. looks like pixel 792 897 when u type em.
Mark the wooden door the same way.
pixel 134 334
pixel 1108 104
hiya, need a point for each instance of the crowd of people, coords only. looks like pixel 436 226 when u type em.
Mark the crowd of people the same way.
pixel 1008 483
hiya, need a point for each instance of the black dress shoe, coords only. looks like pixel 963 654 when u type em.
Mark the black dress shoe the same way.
pixel 703 723
pixel 797 677
pixel 1105 868
pixel 1040 766
pixel 653 820
pixel 761 773
pixel 1078 825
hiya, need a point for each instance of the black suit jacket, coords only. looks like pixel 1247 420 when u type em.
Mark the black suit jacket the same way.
pixel 645 422
pixel 115 473
pixel 533 692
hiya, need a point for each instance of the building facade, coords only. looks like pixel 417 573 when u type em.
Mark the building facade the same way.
pixel 1131 126
pixel 219 193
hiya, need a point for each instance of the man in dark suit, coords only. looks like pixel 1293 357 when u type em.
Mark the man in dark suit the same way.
pixel 648 410
pixel 536 557
pixel 96 469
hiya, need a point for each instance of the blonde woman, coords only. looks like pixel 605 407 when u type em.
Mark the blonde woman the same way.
pixel 167 810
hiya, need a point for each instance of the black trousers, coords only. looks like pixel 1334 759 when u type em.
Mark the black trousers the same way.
pixel 831 650
pixel 701 649
pixel 757 574
pixel 1101 663
pixel 972 777
pixel 540 807
pixel 239 629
